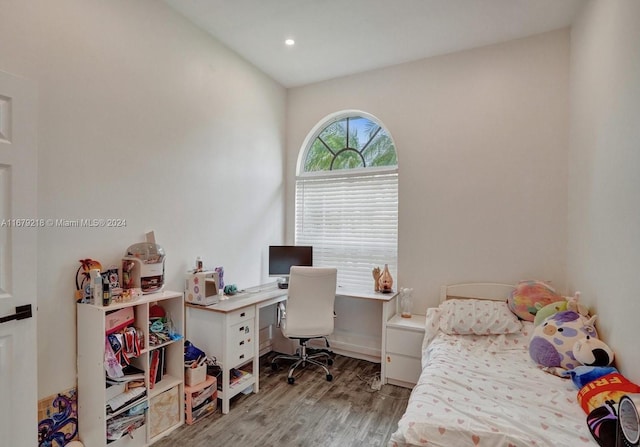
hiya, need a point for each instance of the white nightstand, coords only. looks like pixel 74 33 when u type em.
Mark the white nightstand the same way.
pixel 404 349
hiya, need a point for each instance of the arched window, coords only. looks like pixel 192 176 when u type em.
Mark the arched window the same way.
pixel 347 197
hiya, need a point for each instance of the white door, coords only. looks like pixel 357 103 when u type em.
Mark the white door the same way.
pixel 18 227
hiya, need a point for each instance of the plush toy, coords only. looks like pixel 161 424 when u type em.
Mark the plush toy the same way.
pixel 551 343
pixel 529 296
pixel 582 375
pixel 548 310
pixel 603 425
pixel 608 388
pixel 575 305
pixel 599 384
pixel 592 352
pixel 595 357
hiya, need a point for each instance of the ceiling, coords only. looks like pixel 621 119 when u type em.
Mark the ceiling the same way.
pixel 341 37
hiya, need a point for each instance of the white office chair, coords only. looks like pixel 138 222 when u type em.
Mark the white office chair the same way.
pixel 308 314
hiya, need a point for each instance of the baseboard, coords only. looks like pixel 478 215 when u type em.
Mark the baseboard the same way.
pixel 401 383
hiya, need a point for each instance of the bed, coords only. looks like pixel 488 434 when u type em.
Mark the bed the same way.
pixel 484 390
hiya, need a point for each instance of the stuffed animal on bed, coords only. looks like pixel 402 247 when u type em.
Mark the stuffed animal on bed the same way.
pixel 529 296
pixel 552 342
pixel 574 304
pixel 598 382
pixel 608 388
pixel 595 357
pixel 592 352
pixel 582 375
pixel 548 310
pixel 570 303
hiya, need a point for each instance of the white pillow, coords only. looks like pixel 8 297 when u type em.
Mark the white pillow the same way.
pixel 479 317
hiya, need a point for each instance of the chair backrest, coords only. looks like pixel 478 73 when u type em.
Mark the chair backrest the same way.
pixel 311 294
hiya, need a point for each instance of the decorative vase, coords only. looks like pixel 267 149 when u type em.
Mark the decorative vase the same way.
pixel 406 302
pixel 385 283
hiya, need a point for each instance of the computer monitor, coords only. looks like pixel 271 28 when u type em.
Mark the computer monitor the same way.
pixel 282 257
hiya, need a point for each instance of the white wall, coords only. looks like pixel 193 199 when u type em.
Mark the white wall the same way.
pixel 604 185
pixel 146 118
pixel 482 139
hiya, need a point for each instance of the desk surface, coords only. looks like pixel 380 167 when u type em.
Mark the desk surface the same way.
pixel 248 297
pixel 259 294
pixel 365 294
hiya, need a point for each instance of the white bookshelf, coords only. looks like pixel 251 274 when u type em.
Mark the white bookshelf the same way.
pixel 167 394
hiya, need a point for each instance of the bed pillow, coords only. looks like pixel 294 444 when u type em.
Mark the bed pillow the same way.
pixel 479 317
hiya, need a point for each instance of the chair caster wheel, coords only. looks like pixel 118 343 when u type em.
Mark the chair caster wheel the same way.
pixel 274 367
pixel 290 380
pixel 330 362
pixel 329 377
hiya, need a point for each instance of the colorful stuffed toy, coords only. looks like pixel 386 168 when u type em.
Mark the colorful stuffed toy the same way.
pixel 598 382
pixel 548 310
pixel 582 375
pixel 552 341
pixel 608 388
pixel 529 296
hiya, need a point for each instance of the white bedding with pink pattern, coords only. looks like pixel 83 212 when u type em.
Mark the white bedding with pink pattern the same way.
pixel 486 391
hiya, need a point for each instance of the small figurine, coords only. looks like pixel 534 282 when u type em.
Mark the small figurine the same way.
pixel 376 278
pixel 83 278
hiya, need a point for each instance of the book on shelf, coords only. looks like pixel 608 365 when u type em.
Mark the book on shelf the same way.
pixel 157 366
pixel 131 373
pixel 125 398
pixel 238 376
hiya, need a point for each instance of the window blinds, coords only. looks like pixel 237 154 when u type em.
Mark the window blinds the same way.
pixel 351 222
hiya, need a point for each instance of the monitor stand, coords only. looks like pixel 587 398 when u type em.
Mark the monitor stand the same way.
pixel 283 283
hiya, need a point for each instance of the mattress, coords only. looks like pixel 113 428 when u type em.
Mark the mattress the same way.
pixel 485 391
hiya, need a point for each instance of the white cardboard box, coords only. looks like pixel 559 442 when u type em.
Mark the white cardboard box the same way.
pixel 202 288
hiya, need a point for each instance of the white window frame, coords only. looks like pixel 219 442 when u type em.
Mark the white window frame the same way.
pixel 360 234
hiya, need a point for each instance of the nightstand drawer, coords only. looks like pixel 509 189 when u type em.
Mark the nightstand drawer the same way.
pixel 405 342
pixel 403 368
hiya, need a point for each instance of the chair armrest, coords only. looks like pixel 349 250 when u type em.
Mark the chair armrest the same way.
pixel 281 313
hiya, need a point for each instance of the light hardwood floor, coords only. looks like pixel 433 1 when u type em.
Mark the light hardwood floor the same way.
pixel 312 412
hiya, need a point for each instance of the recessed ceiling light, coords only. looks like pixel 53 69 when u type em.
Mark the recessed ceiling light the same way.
pixel 289 42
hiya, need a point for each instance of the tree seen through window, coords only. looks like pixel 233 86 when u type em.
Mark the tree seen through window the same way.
pixel 350 143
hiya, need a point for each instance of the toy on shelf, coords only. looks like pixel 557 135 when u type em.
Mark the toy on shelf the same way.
pixel 83 279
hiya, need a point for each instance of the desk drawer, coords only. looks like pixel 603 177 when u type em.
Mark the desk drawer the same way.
pixel 240 341
pixel 241 355
pixel 239 315
pixel 240 333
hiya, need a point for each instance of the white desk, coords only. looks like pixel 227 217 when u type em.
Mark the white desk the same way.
pixel 229 330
